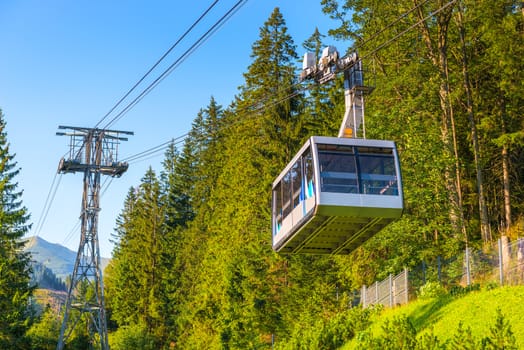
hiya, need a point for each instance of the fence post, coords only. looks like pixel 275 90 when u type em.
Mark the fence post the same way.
pixel 363 296
pixel 439 269
pixel 468 272
pixel 391 296
pixel 406 284
pixel 376 292
pixel 423 272
pixel 501 264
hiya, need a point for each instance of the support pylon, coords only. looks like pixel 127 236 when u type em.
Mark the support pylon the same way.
pixel 93 152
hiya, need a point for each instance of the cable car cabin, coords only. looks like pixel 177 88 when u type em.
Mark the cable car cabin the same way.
pixel 335 194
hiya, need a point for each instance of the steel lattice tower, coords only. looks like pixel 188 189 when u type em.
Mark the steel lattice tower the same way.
pixel 93 152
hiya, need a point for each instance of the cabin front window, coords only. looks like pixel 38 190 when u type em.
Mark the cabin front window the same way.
pixel 359 170
pixel 377 171
pixel 338 169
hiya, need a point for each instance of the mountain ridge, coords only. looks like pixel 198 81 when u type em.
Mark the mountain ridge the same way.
pixel 56 257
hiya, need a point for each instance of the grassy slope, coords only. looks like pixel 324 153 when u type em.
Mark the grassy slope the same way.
pixel 476 310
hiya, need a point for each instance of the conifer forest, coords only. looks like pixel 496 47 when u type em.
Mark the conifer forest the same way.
pixel 192 265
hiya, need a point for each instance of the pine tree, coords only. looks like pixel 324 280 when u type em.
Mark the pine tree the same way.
pixel 235 291
pixel 134 280
pixel 14 264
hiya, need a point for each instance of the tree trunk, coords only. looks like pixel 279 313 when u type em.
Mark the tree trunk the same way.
pixel 506 188
pixel 439 57
pixel 485 229
pixel 505 170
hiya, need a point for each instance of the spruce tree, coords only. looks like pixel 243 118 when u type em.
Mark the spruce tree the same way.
pixel 134 280
pixel 14 263
pixel 235 292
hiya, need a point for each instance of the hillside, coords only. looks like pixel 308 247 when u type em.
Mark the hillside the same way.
pixel 55 257
pixel 441 316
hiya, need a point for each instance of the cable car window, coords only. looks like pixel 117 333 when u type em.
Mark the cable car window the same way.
pixel 286 194
pixel 277 197
pixel 309 190
pixel 338 171
pixel 377 171
pixel 296 179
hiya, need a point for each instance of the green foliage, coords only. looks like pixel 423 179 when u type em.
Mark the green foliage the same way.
pixel 428 341
pixel 398 333
pixel 431 290
pixel 192 264
pixel 491 285
pixel 460 290
pixel 44 332
pixel 463 339
pixel 134 280
pixel 15 291
pixel 500 335
pixel 328 333
pixel 132 337
pixel 469 321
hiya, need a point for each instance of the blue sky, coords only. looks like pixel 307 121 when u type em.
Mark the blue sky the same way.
pixel 69 62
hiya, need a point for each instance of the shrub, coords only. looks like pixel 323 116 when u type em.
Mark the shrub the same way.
pixel 431 290
pixel 132 337
pixel 459 290
pixel 501 336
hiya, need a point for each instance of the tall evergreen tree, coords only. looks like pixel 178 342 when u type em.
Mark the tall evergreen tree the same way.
pixel 134 280
pixel 234 304
pixel 14 263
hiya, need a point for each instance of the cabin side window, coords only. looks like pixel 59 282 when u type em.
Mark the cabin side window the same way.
pixel 286 194
pixel 277 205
pixel 296 179
pixel 309 175
pixel 295 187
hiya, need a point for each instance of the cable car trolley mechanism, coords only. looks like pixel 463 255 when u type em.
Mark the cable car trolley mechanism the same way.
pixel 336 192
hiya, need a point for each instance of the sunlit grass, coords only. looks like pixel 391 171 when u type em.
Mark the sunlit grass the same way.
pixel 476 310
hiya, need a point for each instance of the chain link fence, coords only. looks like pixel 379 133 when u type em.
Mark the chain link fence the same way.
pixel 502 263
pixel 390 292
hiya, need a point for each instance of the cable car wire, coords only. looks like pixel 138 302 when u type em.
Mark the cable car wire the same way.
pixel 148 153
pixel 153 149
pixel 178 61
pixel 261 105
pixel 48 203
pixel 158 61
pixel 49 199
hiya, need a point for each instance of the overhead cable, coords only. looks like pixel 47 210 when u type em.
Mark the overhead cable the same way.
pixel 262 105
pixel 178 61
pixel 48 203
pixel 52 190
pixel 158 62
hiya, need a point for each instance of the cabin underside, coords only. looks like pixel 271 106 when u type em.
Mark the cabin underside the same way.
pixel 328 234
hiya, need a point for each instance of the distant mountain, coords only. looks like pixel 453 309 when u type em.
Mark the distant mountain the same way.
pixel 44 278
pixel 56 257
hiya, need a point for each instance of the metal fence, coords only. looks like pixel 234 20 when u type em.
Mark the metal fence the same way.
pixel 392 291
pixel 502 263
